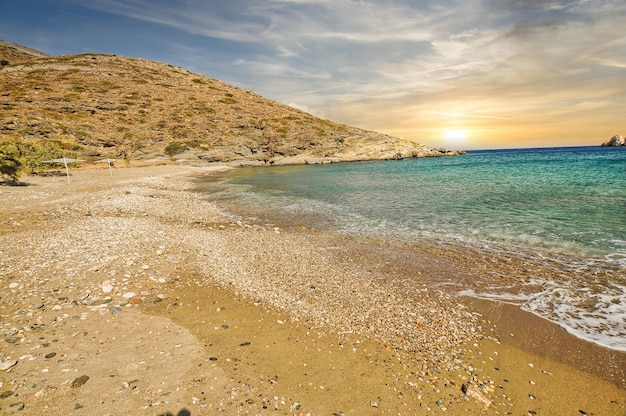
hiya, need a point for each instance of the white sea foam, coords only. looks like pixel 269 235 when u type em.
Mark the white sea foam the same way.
pixel 596 317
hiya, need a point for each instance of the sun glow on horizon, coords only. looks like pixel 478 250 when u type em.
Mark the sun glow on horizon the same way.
pixel 455 137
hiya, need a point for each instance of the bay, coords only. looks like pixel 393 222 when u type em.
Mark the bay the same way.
pixel 562 210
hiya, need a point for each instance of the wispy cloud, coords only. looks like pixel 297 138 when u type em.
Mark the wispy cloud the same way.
pixel 383 62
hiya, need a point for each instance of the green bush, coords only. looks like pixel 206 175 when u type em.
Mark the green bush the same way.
pixel 175 148
pixel 10 164
pixel 32 156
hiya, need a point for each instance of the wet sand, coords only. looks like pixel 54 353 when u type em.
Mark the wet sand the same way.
pixel 215 315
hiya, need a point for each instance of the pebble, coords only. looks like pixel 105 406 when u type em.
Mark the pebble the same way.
pixel 45 392
pixel 17 406
pixel 13 285
pixel 6 365
pixel 115 309
pixel 78 382
pixel 107 287
pixel 6 394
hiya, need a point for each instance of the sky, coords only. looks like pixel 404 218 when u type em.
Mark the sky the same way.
pixel 464 74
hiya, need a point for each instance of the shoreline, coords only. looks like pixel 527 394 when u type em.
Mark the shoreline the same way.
pixel 172 251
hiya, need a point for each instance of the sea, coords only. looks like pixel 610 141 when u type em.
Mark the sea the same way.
pixel 559 211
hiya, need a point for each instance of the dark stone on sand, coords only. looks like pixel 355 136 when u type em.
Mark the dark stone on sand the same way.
pixel 78 382
pixel 6 394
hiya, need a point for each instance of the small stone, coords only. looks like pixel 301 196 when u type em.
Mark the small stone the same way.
pixel 134 301
pixel 145 267
pixel 12 340
pixel 107 287
pixel 78 382
pixel 50 355
pixel 6 394
pixel 17 406
pixel 129 295
pixel 13 285
pixel 115 309
pixel 45 392
pixel 38 306
pixel 374 404
pixel 6 365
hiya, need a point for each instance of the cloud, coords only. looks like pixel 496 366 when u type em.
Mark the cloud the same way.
pixel 382 63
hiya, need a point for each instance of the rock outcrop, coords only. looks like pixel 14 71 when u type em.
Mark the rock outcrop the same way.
pixel 617 140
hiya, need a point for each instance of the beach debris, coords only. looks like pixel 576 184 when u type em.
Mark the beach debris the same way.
pixel 373 404
pixel 441 405
pixel 473 393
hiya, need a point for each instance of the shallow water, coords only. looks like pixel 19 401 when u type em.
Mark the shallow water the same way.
pixel 562 210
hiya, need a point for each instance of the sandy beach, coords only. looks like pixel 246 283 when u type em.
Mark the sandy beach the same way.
pixel 131 294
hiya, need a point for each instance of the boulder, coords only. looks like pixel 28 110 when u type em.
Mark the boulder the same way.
pixel 617 140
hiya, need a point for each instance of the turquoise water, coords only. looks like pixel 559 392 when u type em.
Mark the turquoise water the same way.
pixel 559 206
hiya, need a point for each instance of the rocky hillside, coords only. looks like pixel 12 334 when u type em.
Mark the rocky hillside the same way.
pixel 11 53
pixel 98 106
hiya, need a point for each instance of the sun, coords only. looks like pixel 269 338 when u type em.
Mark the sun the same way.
pixel 455 137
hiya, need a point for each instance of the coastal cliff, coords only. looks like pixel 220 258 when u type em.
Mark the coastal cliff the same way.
pixel 94 106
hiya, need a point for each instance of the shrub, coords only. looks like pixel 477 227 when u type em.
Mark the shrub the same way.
pixel 32 156
pixel 10 164
pixel 175 148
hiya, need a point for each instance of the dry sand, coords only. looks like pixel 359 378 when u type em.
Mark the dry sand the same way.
pixel 130 294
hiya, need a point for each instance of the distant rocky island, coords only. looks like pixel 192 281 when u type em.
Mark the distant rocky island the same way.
pixel 617 140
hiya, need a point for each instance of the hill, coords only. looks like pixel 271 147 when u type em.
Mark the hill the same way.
pixel 11 53
pixel 97 105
